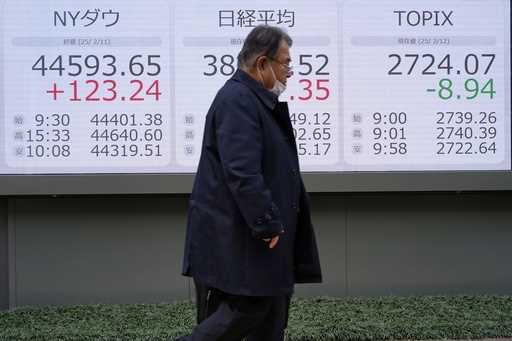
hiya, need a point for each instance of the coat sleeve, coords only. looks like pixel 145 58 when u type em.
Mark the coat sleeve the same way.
pixel 240 147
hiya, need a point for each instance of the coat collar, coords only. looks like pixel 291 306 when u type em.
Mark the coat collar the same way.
pixel 278 109
pixel 267 97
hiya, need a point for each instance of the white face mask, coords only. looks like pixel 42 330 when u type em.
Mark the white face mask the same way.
pixel 278 87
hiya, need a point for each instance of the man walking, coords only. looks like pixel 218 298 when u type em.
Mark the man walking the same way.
pixel 249 234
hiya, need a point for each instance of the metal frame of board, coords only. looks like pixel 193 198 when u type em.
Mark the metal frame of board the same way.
pixel 11 185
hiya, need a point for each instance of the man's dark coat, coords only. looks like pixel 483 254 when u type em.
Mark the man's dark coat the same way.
pixel 248 187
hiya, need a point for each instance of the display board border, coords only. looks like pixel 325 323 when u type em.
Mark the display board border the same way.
pixel 87 184
pixel 332 182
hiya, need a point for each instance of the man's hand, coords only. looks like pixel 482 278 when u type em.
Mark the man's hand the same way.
pixel 272 241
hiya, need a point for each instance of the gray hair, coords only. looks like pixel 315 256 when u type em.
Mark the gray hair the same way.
pixel 263 40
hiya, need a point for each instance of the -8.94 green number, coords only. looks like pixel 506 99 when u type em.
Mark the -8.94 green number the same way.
pixel 472 87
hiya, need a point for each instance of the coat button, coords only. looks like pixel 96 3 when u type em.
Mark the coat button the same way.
pixel 294 206
pixel 294 172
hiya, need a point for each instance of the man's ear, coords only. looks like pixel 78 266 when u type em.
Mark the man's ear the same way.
pixel 261 62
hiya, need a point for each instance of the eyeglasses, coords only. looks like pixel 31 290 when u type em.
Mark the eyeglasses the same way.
pixel 288 68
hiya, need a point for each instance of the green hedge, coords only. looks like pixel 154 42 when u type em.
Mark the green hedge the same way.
pixel 325 319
